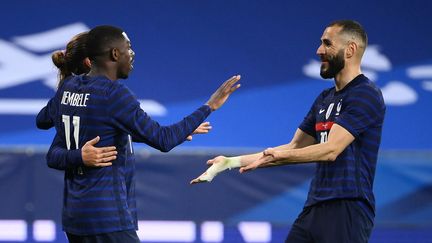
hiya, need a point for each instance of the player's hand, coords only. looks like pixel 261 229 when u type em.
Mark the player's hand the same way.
pixel 219 97
pixel 97 157
pixel 268 156
pixel 202 129
pixel 218 164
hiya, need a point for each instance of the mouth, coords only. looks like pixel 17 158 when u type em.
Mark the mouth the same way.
pixel 131 63
pixel 324 59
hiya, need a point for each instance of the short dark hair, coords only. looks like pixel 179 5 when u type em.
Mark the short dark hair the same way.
pixel 101 39
pixel 353 28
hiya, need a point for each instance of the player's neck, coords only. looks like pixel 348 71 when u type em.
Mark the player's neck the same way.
pixel 110 73
pixel 346 75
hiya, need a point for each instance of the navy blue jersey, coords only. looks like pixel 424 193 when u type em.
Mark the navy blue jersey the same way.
pixel 44 120
pixel 101 200
pixel 359 108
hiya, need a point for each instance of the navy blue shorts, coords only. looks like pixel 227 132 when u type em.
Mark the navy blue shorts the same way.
pixel 113 237
pixel 336 221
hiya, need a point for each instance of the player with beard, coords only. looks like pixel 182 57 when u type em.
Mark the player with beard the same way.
pixel 341 134
pixel 99 201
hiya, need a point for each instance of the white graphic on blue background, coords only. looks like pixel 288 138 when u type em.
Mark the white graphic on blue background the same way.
pixel 27 59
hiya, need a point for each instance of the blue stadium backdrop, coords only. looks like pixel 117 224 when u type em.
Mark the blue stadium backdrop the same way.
pixel 184 50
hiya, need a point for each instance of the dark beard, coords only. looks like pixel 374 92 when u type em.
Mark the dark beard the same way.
pixel 335 65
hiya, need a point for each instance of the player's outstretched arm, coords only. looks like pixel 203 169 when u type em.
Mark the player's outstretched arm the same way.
pixel 144 129
pixel 339 138
pixel 221 163
pixel 218 164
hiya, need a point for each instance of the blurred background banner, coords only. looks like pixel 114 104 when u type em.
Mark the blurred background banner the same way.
pixel 184 50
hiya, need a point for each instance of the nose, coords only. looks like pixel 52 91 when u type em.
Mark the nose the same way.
pixel 320 50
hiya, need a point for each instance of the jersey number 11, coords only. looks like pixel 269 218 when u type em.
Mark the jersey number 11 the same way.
pixel 76 125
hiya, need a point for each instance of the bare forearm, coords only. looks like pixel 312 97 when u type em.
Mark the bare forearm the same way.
pixel 289 146
pixel 325 152
pixel 249 158
pixel 339 139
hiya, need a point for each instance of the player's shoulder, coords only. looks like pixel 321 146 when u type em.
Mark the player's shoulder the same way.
pixel 326 92
pixel 102 84
pixel 118 87
pixel 362 84
pixel 366 89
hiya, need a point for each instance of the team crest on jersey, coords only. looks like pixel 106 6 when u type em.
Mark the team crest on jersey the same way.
pixel 338 107
pixel 329 110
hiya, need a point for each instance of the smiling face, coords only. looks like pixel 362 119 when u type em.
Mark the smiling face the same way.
pixel 331 52
pixel 126 56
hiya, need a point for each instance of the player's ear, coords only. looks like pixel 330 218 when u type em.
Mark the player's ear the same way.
pixel 114 54
pixel 351 49
pixel 87 62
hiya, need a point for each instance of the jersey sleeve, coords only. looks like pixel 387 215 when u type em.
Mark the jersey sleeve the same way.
pixel 58 157
pixel 44 118
pixel 363 108
pixel 127 115
pixel 308 124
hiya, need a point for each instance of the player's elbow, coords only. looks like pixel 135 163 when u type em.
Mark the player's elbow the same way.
pixel 49 161
pixel 163 147
pixel 43 126
pixel 332 153
pixel 164 150
pixel 331 157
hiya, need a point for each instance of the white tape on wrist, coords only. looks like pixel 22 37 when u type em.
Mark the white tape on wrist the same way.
pixel 216 168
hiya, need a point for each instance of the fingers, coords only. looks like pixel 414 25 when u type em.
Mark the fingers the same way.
pixel 105 164
pixel 204 177
pixel 197 180
pixel 233 79
pixel 234 88
pixel 95 157
pixel 211 161
pixel 189 138
pixel 203 128
pixel 93 141
pixel 251 166
pixel 270 153
pixel 108 154
pixel 247 168
pixel 216 159
pixel 105 161
pixel 230 82
pixel 220 96
pixel 107 149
